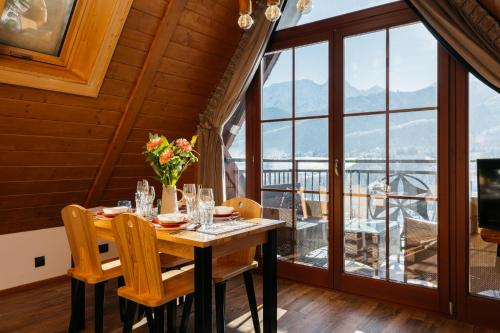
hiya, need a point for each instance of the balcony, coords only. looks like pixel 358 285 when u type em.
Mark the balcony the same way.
pixel 411 239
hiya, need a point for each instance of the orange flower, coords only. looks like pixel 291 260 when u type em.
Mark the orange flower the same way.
pixel 183 144
pixel 166 156
pixel 153 143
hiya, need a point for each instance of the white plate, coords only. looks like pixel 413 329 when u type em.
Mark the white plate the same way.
pixel 115 210
pixel 223 210
pixel 173 218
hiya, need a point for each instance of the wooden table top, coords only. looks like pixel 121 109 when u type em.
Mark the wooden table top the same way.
pixel 198 239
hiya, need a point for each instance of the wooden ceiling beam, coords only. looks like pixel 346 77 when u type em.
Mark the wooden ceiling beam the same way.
pixel 158 47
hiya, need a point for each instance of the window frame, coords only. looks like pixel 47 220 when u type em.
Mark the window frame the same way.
pixel 90 41
pixel 336 29
pixel 67 42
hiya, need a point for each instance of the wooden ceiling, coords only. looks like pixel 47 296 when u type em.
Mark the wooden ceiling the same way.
pixel 57 149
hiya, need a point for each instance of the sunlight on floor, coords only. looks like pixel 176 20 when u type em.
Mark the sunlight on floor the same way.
pixel 244 322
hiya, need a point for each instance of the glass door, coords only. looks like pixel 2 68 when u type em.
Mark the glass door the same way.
pixel 294 184
pixel 390 157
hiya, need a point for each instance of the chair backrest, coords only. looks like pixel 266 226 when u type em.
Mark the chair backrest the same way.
pixel 82 239
pixel 419 232
pixel 248 209
pixel 138 249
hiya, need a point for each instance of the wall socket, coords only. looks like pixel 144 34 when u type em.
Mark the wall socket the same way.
pixel 39 261
pixel 103 248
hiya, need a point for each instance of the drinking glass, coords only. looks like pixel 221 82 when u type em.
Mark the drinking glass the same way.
pixel 190 195
pixel 206 206
pixel 124 203
pixel 149 200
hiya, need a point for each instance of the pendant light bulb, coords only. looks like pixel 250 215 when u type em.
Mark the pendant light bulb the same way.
pixel 245 21
pixel 273 11
pixel 304 6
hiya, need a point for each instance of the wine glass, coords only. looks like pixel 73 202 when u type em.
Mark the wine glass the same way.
pixel 190 195
pixel 206 206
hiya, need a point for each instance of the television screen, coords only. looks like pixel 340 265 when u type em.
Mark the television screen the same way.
pixel 488 180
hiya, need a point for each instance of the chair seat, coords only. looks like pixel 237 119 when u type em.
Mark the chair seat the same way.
pixel 223 271
pixel 176 282
pixel 110 270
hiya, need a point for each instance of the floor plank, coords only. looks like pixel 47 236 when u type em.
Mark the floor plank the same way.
pixel 301 309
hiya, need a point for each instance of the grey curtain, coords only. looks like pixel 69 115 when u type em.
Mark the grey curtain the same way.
pixel 224 101
pixel 469 29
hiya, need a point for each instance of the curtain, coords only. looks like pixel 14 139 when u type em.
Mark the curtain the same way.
pixel 225 99
pixel 469 29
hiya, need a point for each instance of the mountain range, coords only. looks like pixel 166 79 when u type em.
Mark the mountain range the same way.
pixel 412 134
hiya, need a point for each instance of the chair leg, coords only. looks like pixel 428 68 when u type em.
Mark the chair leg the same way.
pixel 129 316
pixel 99 306
pixel 121 300
pixel 220 295
pixel 251 300
pixel 141 312
pixel 186 311
pixel 149 316
pixel 159 319
pixel 171 316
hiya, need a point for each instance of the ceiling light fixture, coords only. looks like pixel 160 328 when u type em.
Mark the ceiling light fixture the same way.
pixel 304 6
pixel 245 21
pixel 273 11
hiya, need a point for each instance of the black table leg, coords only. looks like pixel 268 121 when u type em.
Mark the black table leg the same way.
pixel 203 289
pixel 77 321
pixel 270 284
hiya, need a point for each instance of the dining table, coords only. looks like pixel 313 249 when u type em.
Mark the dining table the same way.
pixel 202 248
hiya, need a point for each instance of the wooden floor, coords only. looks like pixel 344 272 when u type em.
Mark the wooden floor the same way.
pixel 301 309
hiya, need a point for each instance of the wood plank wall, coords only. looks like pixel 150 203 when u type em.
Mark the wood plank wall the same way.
pixel 52 144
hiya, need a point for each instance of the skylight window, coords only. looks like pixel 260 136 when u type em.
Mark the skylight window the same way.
pixel 323 9
pixel 36 25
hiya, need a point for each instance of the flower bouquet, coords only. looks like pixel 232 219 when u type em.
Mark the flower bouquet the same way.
pixel 169 160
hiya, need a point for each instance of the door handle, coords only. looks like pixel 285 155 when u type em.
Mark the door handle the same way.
pixel 337 173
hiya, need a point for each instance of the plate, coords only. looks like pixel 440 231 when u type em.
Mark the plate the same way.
pixel 223 211
pixel 229 217
pixel 172 218
pixel 171 227
pixel 115 210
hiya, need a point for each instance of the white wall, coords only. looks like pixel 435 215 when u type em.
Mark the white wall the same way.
pixel 18 252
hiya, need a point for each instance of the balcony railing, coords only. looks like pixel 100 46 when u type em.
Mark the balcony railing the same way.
pixel 409 181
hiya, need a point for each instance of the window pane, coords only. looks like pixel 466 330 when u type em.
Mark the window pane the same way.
pixel 413 154
pixel 311 230
pixel 413 67
pixel 323 9
pixel 311 80
pixel 278 206
pixel 364 190
pixel 484 136
pixel 277 90
pixel 35 25
pixel 311 154
pixel 235 153
pixel 277 155
pixel 365 72
pixel 364 238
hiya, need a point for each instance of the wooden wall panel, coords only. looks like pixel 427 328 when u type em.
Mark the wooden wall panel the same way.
pixel 53 144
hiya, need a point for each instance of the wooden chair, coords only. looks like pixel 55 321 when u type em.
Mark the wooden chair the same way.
pixel 145 283
pixel 88 267
pixel 241 262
